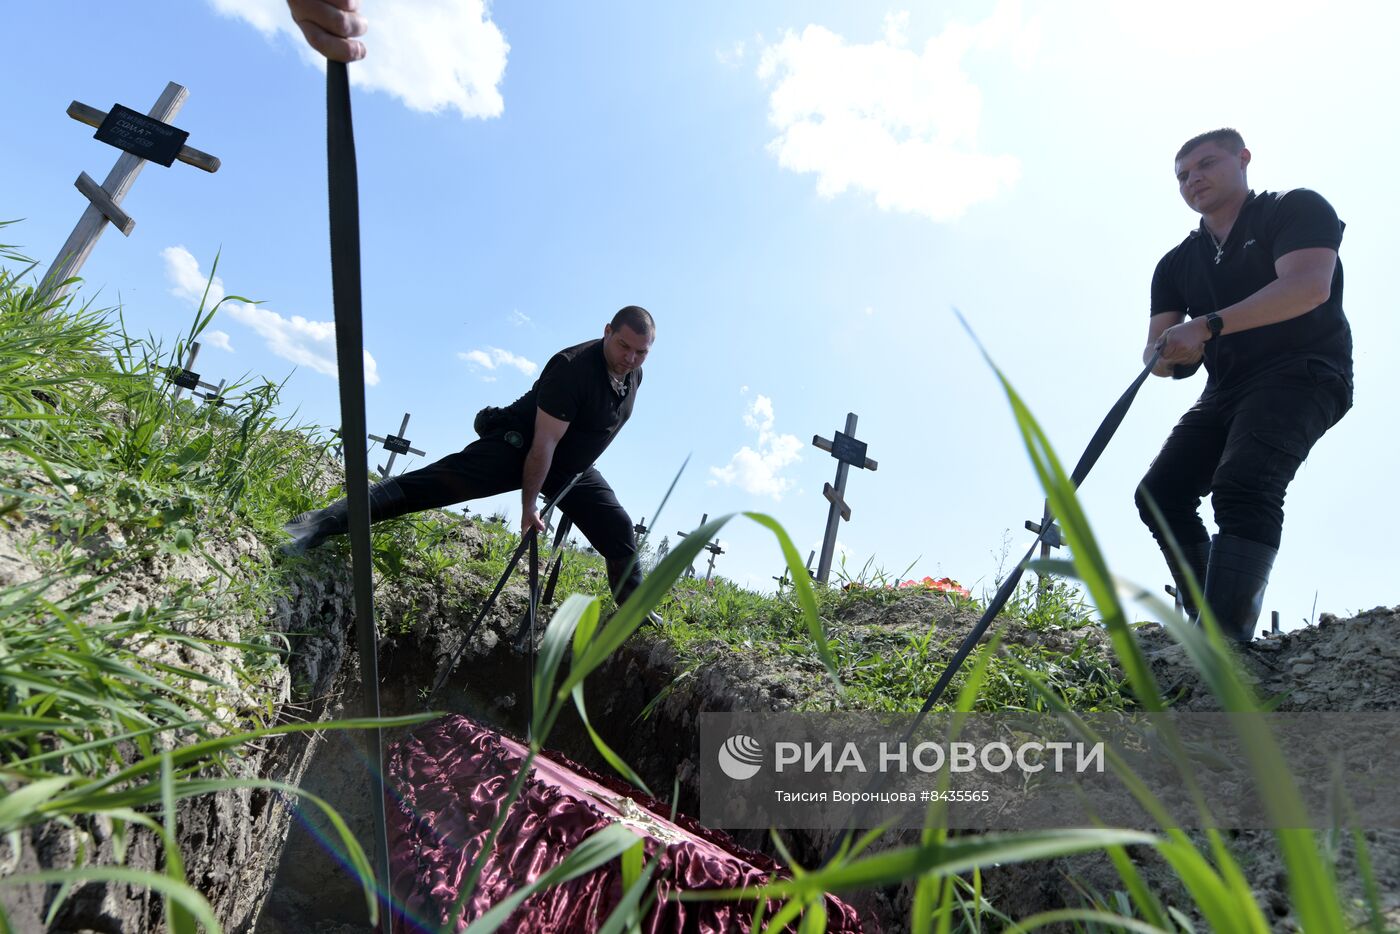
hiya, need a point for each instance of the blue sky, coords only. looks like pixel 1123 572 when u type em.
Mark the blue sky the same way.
pixel 800 193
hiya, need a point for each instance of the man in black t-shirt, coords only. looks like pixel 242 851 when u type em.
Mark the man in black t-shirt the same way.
pixel 1254 293
pixel 537 444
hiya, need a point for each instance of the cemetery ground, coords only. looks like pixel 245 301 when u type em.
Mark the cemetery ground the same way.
pixel 150 638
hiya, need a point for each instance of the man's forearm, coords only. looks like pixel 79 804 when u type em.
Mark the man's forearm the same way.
pixel 1280 300
pixel 537 464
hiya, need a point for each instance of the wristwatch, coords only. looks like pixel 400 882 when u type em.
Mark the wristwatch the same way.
pixel 1215 323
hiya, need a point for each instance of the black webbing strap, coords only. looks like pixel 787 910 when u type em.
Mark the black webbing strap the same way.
pixel 531 614
pixel 525 542
pixel 1091 454
pixel 349 347
pixel 561 534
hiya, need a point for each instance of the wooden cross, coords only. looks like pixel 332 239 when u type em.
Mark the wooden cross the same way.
pixel 185 378
pixel 640 528
pixel 215 396
pixel 713 548
pixel 144 138
pixel 783 580
pixel 715 551
pixel 1051 539
pixel 396 445
pixel 847 451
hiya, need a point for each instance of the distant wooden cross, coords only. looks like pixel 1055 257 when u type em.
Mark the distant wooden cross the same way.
pixel 215 396
pixel 186 378
pixel 396 445
pixel 1050 539
pixel 640 528
pixel 713 548
pixel 143 138
pixel 848 451
pixel 715 551
pixel 783 579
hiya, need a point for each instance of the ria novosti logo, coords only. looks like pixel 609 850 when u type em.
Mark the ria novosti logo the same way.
pixel 740 757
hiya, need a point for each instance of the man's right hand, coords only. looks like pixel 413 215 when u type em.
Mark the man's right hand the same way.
pixel 330 27
pixel 530 519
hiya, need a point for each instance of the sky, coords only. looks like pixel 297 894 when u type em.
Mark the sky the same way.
pixel 801 193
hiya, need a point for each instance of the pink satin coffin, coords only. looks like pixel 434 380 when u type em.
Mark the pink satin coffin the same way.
pixel 448 781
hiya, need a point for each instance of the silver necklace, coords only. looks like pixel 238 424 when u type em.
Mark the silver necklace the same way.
pixel 1219 247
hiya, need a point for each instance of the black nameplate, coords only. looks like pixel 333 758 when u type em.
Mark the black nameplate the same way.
pixel 183 378
pixel 396 444
pixel 141 135
pixel 848 449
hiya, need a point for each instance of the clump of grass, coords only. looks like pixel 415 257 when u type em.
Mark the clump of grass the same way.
pixel 101 474
pixel 893 668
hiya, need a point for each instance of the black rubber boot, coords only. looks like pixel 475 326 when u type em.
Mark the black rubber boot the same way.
pixel 310 529
pixel 1197 557
pixel 1235 581
pixel 624 587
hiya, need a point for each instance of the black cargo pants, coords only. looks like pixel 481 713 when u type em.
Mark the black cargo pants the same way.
pixel 491 465
pixel 1242 446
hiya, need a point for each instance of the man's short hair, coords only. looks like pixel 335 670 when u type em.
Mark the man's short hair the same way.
pixel 1226 137
pixel 637 318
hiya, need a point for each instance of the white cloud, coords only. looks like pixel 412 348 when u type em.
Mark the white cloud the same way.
pixel 186 280
pixel 519 318
pixel 758 469
pixel 430 54
pixel 494 358
pixel 303 342
pixel 219 339
pixel 869 310
pixel 883 118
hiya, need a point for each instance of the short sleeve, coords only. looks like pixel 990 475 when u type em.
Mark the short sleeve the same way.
pixel 558 393
pixel 1304 220
pixel 1166 295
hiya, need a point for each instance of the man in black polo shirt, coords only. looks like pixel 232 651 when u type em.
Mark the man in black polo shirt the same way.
pixel 1255 292
pixel 537 444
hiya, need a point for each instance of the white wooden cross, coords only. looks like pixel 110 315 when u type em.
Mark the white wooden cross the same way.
pixel 847 451
pixel 105 200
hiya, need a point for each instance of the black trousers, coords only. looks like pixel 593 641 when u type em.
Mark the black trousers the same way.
pixel 489 466
pixel 1242 446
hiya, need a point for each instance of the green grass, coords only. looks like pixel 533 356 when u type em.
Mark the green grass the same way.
pixel 893 667
pixel 111 713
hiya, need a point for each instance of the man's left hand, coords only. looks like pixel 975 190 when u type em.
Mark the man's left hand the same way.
pixel 1184 343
